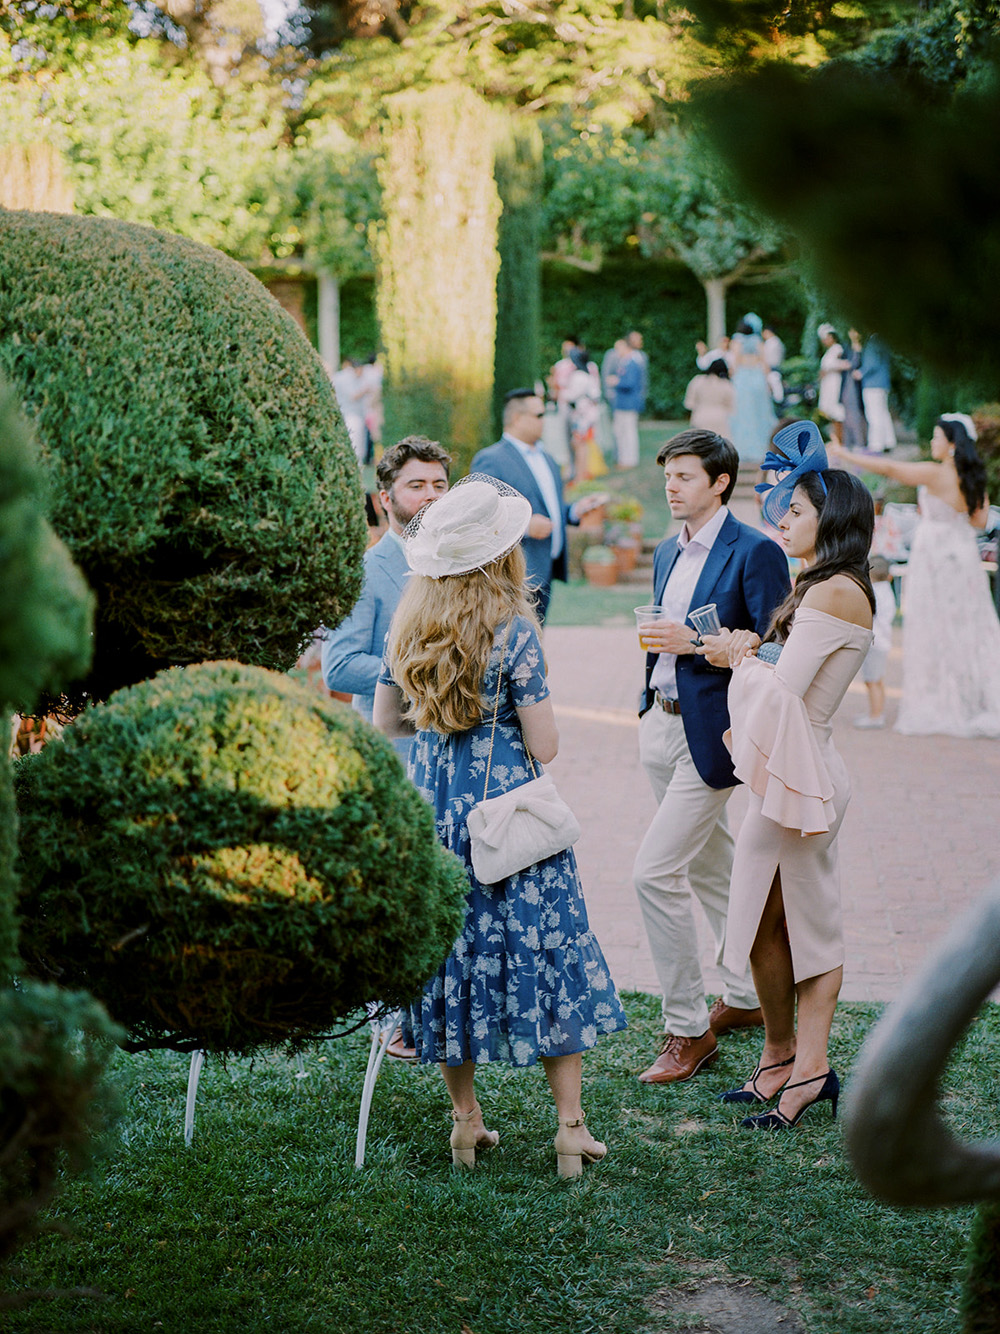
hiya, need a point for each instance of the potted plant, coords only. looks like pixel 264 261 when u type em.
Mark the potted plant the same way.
pixel 600 567
pixel 626 512
pixel 593 520
pixel 626 548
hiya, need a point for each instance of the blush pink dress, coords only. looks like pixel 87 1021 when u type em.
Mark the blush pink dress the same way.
pixel 782 748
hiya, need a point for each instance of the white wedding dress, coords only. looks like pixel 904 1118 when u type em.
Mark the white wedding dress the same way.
pixel 951 635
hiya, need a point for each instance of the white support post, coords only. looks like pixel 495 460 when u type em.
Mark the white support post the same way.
pixel 194 1074
pixel 382 1031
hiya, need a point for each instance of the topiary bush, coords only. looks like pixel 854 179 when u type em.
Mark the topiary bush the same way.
pixel 54 1047
pixel 227 861
pixel 46 612
pixel 200 473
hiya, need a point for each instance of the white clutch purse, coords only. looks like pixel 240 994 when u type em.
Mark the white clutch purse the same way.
pixel 518 828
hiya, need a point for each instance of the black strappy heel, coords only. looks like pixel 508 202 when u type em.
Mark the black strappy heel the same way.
pixel 777 1120
pixel 753 1093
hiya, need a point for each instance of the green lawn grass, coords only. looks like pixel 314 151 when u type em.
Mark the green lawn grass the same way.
pixel 264 1225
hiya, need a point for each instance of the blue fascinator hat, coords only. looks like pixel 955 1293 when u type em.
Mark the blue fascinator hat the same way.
pixel 754 321
pixel 795 450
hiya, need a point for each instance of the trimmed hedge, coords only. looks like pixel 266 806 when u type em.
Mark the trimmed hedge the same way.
pixel 46 612
pixel 665 301
pixel 437 259
pixel 200 473
pixel 228 860
pixel 517 168
pixel 54 1047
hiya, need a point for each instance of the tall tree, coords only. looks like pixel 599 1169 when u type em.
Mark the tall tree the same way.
pixel 437 267
pixel 537 57
pixel 687 212
pixel 894 198
pixel 659 194
pixel 518 171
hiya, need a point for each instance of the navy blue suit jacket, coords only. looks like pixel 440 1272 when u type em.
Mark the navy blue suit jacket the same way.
pixel 503 461
pixel 746 576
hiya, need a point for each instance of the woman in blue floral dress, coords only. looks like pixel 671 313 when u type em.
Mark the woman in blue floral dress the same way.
pixel 526 979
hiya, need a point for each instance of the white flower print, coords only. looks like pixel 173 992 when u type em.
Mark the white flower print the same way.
pixel 526 978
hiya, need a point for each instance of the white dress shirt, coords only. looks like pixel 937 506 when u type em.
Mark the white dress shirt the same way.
pixel 534 457
pixel 681 583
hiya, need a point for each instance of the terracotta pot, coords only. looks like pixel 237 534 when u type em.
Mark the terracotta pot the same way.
pixel 593 520
pixel 601 574
pixel 626 557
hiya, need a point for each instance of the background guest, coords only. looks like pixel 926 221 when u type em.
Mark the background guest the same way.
pixel 855 429
pixel 710 399
pixel 753 415
pixel 831 378
pixel 951 636
pixel 875 382
pixel 874 665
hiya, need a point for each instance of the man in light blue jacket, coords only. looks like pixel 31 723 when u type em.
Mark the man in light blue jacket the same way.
pixel 410 475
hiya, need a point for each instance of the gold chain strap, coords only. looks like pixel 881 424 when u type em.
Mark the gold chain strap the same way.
pixel 493 729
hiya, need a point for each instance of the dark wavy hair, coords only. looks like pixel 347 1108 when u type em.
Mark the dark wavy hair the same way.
pixel 969 466
pixel 843 540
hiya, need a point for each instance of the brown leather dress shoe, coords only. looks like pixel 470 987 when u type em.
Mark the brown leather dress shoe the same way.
pixel 680 1059
pixel 397 1050
pixel 723 1018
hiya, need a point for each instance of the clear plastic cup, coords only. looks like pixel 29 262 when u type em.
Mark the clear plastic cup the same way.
pixel 705 620
pixel 646 617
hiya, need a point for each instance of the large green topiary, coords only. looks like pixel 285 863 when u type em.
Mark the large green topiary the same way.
pixel 200 473
pixel 227 860
pixel 53 1045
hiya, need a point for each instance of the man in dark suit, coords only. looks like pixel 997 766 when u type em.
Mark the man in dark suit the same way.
pixel 688 847
pixel 519 460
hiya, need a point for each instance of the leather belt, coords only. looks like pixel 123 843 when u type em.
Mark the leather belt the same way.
pixel 667 705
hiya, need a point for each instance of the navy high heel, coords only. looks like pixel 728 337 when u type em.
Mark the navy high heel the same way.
pixel 777 1120
pixel 753 1094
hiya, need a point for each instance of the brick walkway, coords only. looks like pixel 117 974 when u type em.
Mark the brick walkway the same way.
pixel 918 844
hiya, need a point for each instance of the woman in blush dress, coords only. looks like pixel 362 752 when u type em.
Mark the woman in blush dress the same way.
pixel 710 399
pixel 951 635
pixel 784 901
pixel 526 979
pixel 832 365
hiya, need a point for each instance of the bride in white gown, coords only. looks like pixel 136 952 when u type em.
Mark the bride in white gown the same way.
pixel 951 635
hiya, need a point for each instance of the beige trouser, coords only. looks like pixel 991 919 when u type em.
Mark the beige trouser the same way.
pixel 687 847
pixel 625 426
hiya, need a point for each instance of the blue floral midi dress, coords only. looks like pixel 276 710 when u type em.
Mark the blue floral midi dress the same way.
pixel 526 977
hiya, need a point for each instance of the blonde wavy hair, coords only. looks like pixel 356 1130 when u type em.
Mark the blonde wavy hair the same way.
pixel 441 636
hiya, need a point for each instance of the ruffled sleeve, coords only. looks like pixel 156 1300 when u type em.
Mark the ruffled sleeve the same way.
pixel 775 751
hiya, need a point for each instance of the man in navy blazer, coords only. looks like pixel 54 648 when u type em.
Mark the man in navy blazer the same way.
pixel 519 460
pixel 410 475
pixel 688 848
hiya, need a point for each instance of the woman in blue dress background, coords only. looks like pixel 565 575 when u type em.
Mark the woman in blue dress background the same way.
pixel 526 979
pixel 753 414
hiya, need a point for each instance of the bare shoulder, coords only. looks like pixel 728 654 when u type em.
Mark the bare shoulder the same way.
pixel 840 596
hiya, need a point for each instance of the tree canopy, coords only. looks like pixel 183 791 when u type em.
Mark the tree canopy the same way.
pixel 894 199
